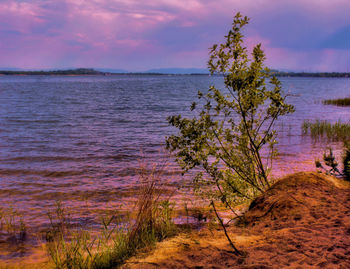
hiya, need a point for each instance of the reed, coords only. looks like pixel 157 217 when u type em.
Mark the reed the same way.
pixel 12 225
pixel 319 129
pixel 69 247
pixel 338 102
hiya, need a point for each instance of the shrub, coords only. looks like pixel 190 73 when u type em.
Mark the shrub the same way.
pixel 231 139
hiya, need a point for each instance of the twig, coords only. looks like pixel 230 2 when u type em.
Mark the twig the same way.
pixel 226 234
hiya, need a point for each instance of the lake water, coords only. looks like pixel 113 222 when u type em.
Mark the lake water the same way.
pixel 80 139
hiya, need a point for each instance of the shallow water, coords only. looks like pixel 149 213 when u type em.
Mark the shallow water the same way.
pixel 80 139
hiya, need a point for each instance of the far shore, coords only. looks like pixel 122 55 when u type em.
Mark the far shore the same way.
pixel 94 72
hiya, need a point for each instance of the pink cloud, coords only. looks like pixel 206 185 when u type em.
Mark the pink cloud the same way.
pixel 19 17
pixel 137 34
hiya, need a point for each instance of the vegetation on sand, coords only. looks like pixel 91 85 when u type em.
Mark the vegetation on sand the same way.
pixel 71 248
pixel 231 139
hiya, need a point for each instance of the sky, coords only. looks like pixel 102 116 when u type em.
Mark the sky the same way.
pixel 137 35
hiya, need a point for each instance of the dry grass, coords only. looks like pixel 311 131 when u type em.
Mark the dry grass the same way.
pixel 69 247
pixel 153 220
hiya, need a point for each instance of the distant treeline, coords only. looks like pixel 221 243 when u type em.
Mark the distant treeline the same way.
pixel 79 71
pixel 306 74
pixel 90 71
pixel 84 71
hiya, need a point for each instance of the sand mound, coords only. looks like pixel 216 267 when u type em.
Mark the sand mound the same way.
pixel 302 221
pixel 294 198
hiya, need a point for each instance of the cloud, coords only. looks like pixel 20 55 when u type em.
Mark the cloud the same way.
pixel 340 39
pixel 161 33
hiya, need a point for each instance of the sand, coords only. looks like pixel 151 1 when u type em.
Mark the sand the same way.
pixel 303 221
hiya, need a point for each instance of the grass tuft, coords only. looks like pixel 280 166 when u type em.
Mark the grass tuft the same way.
pixel 12 225
pixel 69 247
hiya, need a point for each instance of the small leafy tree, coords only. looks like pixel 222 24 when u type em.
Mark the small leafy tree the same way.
pixel 230 142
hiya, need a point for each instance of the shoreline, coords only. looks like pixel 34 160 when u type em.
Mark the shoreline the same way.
pixel 93 72
pixel 183 244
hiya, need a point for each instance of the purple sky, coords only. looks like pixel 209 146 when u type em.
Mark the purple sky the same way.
pixel 136 35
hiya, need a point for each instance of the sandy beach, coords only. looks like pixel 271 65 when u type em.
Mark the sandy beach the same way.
pixel 303 221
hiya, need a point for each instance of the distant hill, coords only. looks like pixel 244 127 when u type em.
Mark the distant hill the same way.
pixel 11 69
pixel 113 71
pixel 178 71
